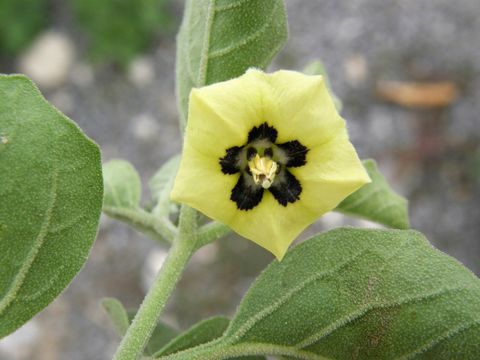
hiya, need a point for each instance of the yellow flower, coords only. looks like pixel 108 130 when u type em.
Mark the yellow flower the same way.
pixel 267 155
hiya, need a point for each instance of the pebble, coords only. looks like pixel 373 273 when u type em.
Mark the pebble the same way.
pixel 141 71
pixel 48 60
pixel 356 69
pixel 145 127
pixel 82 75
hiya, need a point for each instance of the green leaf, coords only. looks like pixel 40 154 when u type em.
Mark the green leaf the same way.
pixel 161 336
pixel 200 333
pixel 51 197
pixel 122 202
pixel 318 68
pixel 376 201
pixel 161 185
pixel 357 294
pixel 220 40
pixel 117 314
pixel 122 185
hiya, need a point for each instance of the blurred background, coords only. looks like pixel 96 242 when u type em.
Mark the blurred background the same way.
pixel 407 72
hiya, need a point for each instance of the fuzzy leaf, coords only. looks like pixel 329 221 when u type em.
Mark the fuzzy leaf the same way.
pixel 200 333
pixel 50 201
pixel 161 185
pixel 377 201
pixel 357 294
pixel 117 314
pixel 220 40
pixel 122 185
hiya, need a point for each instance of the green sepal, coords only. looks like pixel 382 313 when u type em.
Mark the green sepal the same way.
pixel 377 201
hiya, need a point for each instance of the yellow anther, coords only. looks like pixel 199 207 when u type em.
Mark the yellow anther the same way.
pixel 263 170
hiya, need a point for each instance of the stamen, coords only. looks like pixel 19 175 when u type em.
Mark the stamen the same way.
pixel 263 170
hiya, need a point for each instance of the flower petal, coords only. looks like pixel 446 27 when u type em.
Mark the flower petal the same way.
pixel 286 189
pixel 333 171
pixel 230 162
pixel 221 115
pixel 201 184
pixel 271 225
pixel 295 153
pixel 301 108
pixel 246 195
pixel 262 132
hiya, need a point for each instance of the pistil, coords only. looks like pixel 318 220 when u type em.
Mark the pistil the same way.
pixel 263 170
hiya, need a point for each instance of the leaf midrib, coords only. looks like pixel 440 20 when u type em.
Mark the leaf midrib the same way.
pixel 19 279
pixel 359 312
pixel 248 39
pixel 204 57
pixel 242 330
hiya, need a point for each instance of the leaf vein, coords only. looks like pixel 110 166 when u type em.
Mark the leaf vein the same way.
pixel 358 313
pixel 287 296
pixel 67 225
pixel 442 337
pixel 203 66
pixel 247 40
pixel 50 283
pixel 19 279
pixel 231 5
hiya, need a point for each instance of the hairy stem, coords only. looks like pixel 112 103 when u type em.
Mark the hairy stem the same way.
pixel 211 232
pixel 146 319
pixel 158 228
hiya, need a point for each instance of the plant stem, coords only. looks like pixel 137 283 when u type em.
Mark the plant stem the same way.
pixel 147 316
pixel 157 228
pixel 211 232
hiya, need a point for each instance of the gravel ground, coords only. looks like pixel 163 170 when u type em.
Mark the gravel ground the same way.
pixel 428 155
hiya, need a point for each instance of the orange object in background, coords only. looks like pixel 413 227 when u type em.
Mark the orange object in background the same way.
pixel 418 94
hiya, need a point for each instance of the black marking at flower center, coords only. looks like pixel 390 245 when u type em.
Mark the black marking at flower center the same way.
pixel 245 194
pixel 262 132
pixel 229 162
pixel 261 140
pixel 286 189
pixel 295 153
pixel 251 152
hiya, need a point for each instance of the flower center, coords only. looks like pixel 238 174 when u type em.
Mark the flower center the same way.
pixel 264 164
pixel 263 170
